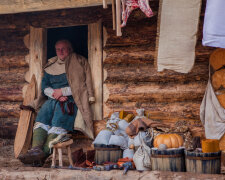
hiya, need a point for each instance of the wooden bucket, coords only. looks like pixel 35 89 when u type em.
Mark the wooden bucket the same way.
pixel 206 163
pixel 110 153
pixel 168 160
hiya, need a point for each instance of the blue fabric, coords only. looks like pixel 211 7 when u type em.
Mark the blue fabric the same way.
pixel 51 113
pixel 54 81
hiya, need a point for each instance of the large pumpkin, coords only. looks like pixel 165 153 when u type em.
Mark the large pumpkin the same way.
pixel 170 140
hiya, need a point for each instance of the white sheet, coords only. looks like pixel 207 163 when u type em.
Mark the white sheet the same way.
pixel 214 24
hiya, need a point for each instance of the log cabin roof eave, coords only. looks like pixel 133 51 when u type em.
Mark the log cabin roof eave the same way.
pixel 7 8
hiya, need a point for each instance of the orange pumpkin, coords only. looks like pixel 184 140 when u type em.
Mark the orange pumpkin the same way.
pixel 170 140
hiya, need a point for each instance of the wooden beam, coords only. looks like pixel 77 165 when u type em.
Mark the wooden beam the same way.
pixel 15 6
pixel 95 61
pixel 37 54
pixel 105 4
pixel 114 14
pixel 118 18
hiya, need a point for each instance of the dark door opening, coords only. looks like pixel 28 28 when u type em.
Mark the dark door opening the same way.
pixel 77 35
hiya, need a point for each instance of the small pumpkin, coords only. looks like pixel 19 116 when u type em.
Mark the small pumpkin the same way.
pixel 170 140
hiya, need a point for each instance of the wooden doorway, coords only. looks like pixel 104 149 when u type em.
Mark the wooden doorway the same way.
pixel 38 58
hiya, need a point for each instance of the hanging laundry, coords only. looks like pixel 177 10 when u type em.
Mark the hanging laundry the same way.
pixel 178 27
pixel 130 5
pixel 214 26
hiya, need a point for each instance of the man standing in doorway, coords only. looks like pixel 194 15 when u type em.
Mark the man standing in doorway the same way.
pixel 67 87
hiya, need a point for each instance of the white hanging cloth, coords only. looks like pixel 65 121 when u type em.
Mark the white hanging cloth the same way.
pixel 212 114
pixel 214 24
pixel 178 26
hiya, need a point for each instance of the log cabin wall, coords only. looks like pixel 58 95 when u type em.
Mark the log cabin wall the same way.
pixel 13 66
pixel 131 80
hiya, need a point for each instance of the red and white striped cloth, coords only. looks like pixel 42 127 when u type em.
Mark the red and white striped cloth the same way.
pixel 130 5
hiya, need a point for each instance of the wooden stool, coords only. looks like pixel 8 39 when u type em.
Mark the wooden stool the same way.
pixel 59 147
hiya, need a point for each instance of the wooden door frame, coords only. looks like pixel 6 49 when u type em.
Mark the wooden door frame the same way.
pixel 37 58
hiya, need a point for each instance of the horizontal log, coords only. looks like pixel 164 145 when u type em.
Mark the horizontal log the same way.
pixel 154 92
pixel 12 40
pixel 14 21
pixel 178 109
pixel 8 127
pixel 138 34
pixel 11 61
pixel 11 92
pixel 8 34
pixel 66 17
pixel 126 59
pixel 145 52
pixel 148 73
pixel 12 46
pixel 8 110
pixel 12 75
pixel 114 59
pixel 8 131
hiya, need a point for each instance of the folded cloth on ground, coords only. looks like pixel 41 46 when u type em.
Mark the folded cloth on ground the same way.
pixel 141 124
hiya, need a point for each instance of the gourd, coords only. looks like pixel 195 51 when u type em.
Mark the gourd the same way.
pixel 170 140
pixel 123 114
pixel 129 118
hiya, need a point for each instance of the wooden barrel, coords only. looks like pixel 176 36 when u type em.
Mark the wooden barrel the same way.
pixel 168 160
pixel 107 153
pixel 206 163
pixel 223 158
